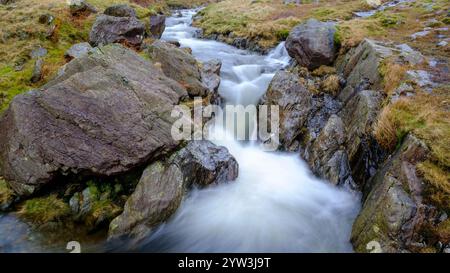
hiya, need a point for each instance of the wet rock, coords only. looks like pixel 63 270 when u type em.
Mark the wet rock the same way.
pixel 312 43
pixel 121 10
pixel 157 25
pixel 106 114
pixel 109 29
pixel 77 50
pixel 162 186
pixel 210 73
pixel 393 211
pixel 37 71
pixel 81 7
pixel 180 66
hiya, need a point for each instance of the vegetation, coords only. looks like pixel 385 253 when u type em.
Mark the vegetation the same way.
pixel 6 194
pixel 41 210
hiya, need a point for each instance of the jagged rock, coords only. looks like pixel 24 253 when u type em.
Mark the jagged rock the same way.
pixel 81 7
pixel 121 10
pixel 106 114
pixel 312 43
pixel 210 73
pixel 393 211
pixel 157 25
pixel 78 50
pixel 162 186
pixel 37 71
pixel 109 29
pixel 180 66
pixel 361 66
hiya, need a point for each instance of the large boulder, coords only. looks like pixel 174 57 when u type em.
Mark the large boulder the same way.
pixel 210 73
pixel 108 112
pixel 110 29
pixel 394 214
pixel 121 10
pixel 311 44
pixel 156 26
pixel 180 66
pixel 162 186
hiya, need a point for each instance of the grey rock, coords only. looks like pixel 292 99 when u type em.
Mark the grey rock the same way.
pixel 179 65
pixel 78 50
pixel 421 77
pixel 37 71
pixel 81 7
pixel 109 29
pixel 121 10
pixel 157 25
pixel 38 53
pixel 312 43
pixel 162 186
pixel 108 113
pixel 210 74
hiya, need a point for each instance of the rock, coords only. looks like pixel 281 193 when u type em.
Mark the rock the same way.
pixel 393 211
pixel 410 55
pixel 420 34
pixel 77 50
pixel 107 113
pixel 420 77
pixel 81 7
pixel 404 90
pixel 162 186
pixel 180 66
pixel 109 29
pixel 361 66
pixel 37 71
pixel 157 25
pixel 121 10
pixel 38 53
pixel 46 19
pixel 312 43
pixel 173 42
pixel 442 43
pixel 210 73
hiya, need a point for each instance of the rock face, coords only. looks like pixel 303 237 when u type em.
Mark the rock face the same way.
pixel 180 66
pixel 393 211
pixel 121 10
pixel 311 44
pixel 210 73
pixel 77 50
pixel 110 29
pixel 108 112
pixel 157 25
pixel 162 186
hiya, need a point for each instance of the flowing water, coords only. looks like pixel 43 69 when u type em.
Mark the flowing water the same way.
pixel 276 204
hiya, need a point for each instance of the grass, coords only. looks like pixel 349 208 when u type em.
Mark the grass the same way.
pixel 6 193
pixel 41 210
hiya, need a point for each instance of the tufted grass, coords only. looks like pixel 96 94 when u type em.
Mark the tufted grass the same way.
pixel 41 210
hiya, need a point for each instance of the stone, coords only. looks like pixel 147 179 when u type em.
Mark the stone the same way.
pixel 162 186
pixel 78 50
pixel 156 26
pixel 121 10
pixel 46 19
pixel 38 53
pixel 311 44
pixel 81 7
pixel 210 74
pixel 106 114
pixel 109 29
pixel 37 71
pixel 420 77
pixel 180 66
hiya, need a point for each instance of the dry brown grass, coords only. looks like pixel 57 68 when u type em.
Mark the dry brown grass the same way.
pixel 331 85
pixel 393 74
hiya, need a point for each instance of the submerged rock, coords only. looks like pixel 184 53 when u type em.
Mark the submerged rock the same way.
pixel 110 29
pixel 163 184
pixel 108 112
pixel 180 66
pixel 311 44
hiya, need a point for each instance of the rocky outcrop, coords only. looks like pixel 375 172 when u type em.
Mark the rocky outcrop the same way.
pixel 121 10
pixel 179 65
pixel 210 73
pixel 311 44
pixel 110 29
pixel 394 212
pixel 162 186
pixel 107 112
pixel 156 26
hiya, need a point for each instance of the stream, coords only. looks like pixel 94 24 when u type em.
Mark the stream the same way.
pixel 275 205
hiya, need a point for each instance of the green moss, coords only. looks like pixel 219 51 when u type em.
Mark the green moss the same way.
pixel 41 210
pixel 446 20
pixel 282 34
pixel 6 194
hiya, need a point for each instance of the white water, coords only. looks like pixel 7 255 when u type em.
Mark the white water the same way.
pixel 276 204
